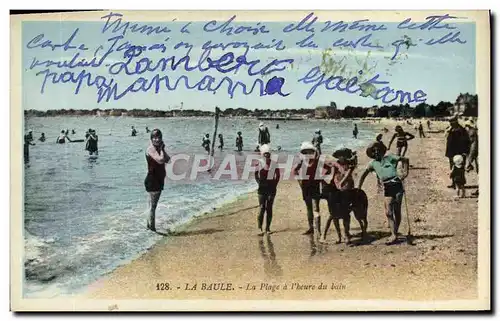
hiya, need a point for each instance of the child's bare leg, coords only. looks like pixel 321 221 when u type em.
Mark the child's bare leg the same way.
pixel 405 147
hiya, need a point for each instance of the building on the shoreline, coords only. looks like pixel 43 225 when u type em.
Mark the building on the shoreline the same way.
pixel 466 104
pixel 372 111
pixel 327 111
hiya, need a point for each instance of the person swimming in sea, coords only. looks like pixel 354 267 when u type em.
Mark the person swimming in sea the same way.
pixel 61 139
pixel 42 137
pixel 239 142
pixel 402 139
pixel 91 144
pixel 156 158
pixel 73 132
pixel 134 131
pixel 147 129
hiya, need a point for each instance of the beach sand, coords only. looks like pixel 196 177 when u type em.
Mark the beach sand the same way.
pixel 223 246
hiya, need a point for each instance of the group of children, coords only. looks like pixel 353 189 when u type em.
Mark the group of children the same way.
pixel 342 195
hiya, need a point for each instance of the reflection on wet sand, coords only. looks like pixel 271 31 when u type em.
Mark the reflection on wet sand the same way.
pixel 271 267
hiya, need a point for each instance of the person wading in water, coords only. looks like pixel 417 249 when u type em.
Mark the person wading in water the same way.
pixel 156 158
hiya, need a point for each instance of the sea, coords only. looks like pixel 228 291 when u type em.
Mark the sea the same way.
pixel 85 217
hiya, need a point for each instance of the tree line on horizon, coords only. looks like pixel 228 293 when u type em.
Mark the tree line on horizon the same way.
pixel 441 109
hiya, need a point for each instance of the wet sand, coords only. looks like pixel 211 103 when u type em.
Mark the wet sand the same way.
pixel 223 247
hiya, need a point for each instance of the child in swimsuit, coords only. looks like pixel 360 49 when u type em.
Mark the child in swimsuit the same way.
pixel 402 139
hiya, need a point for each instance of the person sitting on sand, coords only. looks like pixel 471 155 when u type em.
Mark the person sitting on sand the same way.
pixel 340 196
pixel 239 142
pixel 156 158
pixel 267 188
pixel 134 131
pixel 317 140
pixel 206 143
pixel 402 139
pixel 62 138
pixel 457 175
pixel 42 137
pixel 385 166
pixel 221 142
pixel 310 185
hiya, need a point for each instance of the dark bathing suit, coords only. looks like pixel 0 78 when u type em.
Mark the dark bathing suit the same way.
pixel 155 179
pixel 401 140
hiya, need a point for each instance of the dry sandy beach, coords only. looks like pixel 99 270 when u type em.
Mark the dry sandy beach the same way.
pixel 224 247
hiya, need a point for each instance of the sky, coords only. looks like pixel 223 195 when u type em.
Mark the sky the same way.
pixel 441 71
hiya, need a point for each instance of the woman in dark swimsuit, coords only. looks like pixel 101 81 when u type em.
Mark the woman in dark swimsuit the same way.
pixel 402 139
pixel 156 158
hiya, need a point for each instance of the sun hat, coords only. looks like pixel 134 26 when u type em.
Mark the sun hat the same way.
pixel 346 152
pixel 318 131
pixel 372 146
pixel 458 161
pixel 261 125
pixel 265 149
pixel 307 146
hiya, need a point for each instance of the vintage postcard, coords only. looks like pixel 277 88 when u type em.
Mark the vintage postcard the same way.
pixel 250 161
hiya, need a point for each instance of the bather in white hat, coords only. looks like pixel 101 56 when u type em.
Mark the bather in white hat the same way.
pixel 307 146
pixel 265 149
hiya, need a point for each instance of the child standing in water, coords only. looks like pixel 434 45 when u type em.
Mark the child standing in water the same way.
pixel 91 144
pixel 267 188
pixel 402 138
pixel 221 142
pixel 206 143
pixel 239 142
pixel 156 158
